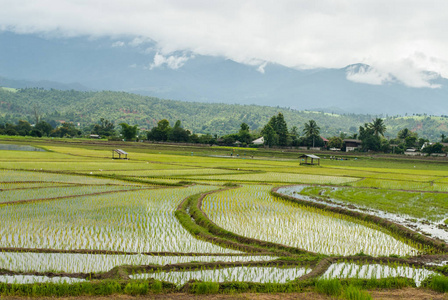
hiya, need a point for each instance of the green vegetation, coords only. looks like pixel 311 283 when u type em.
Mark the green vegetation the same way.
pixel 87 108
pixel 431 206
pixel 185 218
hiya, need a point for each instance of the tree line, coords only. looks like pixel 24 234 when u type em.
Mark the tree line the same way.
pixel 275 133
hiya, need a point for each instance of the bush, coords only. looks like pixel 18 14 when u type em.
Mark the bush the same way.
pixel 354 293
pixel 205 288
pixel 136 288
pixel 439 283
pixel 156 286
pixel 330 287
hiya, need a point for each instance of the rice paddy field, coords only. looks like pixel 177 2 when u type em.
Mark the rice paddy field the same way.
pixel 70 213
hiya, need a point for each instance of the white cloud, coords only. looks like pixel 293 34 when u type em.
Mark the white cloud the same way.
pixel 367 74
pixel 261 67
pixel 118 44
pixel 399 37
pixel 172 62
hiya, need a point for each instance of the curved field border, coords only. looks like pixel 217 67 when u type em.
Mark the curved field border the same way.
pixel 189 208
pixel 397 229
pixel 197 222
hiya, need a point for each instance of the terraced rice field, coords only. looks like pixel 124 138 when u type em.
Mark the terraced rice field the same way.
pixel 135 221
pixel 252 212
pixel 241 274
pixel 95 215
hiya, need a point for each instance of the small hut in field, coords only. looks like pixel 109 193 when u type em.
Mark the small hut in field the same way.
pixel 312 157
pixel 121 154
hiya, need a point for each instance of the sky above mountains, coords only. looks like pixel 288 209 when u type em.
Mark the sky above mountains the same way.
pixel 401 41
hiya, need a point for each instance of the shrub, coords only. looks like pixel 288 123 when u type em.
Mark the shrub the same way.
pixel 205 288
pixel 330 287
pixel 354 293
pixel 439 283
pixel 136 288
pixel 157 286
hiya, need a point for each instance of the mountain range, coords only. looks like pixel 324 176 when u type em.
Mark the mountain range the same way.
pixel 135 65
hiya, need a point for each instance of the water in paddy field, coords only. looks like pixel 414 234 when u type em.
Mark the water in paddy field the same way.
pixel 19 147
pixel 238 274
pixel 415 224
pixel 377 271
pixel 29 279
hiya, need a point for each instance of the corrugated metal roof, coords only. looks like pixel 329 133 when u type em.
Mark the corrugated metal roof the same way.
pixel 120 151
pixel 310 156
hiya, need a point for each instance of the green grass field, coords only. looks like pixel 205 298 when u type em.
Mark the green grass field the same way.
pixel 74 207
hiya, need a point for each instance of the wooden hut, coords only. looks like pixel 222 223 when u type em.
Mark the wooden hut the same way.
pixel 312 157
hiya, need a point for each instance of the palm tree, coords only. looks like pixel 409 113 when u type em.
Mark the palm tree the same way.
pixel 311 129
pixel 378 126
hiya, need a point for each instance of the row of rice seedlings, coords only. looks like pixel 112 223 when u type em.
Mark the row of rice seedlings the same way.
pixel 27 194
pixel 30 279
pixel 30 185
pixel 430 206
pixel 155 180
pixel 87 166
pixel 253 212
pixel 376 271
pixel 391 184
pixel 437 187
pixel 281 177
pixel 235 274
pixel 137 221
pixel 21 176
pixel 169 172
pixel 87 263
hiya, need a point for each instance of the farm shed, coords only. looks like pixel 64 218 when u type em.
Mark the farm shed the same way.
pixel 120 154
pixel 313 157
pixel 351 144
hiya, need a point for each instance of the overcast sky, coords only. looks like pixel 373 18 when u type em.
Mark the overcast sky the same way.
pixel 399 38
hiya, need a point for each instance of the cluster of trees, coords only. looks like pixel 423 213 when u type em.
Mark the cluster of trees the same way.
pixel 275 133
pixel 222 119
pixel 40 129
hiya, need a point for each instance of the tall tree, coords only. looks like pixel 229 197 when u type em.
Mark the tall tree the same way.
pixel 378 126
pixel 404 133
pixel 129 132
pixel 311 130
pixel 269 135
pixel 178 134
pixel 161 131
pixel 282 130
pixel 244 135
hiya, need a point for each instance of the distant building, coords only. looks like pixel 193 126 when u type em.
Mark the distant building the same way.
pixel 259 141
pixel 412 152
pixel 351 144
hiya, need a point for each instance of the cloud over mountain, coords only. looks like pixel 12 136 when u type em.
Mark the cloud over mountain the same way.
pixel 397 38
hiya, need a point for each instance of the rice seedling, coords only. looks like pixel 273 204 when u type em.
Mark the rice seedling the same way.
pixel 25 176
pixel 57 192
pixel 280 177
pixel 87 263
pixel 234 274
pixel 376 271
pixel 252 212
pixel 28 279
pixel 137 221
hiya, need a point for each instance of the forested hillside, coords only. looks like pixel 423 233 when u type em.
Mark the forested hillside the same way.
pixel 88 107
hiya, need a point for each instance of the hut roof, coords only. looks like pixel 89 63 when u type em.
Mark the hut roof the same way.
pixel 310 156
